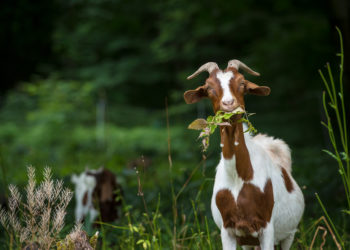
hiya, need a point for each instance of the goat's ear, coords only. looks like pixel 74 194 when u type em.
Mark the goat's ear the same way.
pixel 252 88
pixel 193 96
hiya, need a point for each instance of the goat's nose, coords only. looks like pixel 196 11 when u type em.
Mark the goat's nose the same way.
pixel 228 103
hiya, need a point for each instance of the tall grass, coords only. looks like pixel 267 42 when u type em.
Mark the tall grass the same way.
pixel 334 106
pixel 151 230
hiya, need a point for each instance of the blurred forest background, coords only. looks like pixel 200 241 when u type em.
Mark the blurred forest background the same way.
pixel 84 84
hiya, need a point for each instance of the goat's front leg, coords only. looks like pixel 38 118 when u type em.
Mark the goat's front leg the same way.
pixel 267 237
pixel 228 242
pixel 287 242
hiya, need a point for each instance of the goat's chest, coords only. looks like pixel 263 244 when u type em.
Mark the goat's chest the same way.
pixel 250 211
pixel 243 206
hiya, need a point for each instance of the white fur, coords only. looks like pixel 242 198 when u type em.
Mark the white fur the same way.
pixel 288 207
pixel 266 238
pixel 277 149
pixel 84 184
pixel 228 242
pixel 225 78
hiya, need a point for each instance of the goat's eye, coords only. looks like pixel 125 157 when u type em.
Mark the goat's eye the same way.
pixel 241 87
pixel 211 91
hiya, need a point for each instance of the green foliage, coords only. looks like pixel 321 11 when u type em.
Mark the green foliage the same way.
pixel 47 120
pixel 341 152
pixel 221 118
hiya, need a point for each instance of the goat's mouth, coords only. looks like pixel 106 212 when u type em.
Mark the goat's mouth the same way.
pixel 231 116
pixel 234 111
pixel 231 107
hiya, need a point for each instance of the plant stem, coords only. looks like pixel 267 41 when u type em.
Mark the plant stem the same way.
pixel 174 198
pixel 330 221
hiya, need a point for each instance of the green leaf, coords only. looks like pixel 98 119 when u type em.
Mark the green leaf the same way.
pixel 344 156
pixel 212 128
pixel 330 153
pixel 332 105
pixel 221 118
pixel 198 124
pixel 144 245
pixel 346 211
pixel 228 115
pixel 210 119
pixel 340 95
pixel 324 124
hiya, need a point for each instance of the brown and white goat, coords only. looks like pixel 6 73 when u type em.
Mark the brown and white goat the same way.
pixel 256 201
pixel 95 190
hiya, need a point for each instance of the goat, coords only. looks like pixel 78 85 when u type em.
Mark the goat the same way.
pixel 96 188
pixel 255 201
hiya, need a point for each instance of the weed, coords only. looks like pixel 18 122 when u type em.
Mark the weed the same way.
pixel 39 220
pixel 339 130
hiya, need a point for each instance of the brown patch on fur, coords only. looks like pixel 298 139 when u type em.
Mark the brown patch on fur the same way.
pixel 287 181
pixel 251 212
pixel 248 240
pixel 243 164
pixel 228 137
pixel 85 198
pixel 214 90
pixel 211 89
pixel 227 206
pixel 104 194
pixel 227 134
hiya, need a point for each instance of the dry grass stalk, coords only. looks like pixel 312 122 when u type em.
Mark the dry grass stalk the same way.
pixel 323 237
pixel 324 234
pixel 40 218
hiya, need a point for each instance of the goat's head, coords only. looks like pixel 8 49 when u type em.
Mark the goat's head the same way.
pixel 225 88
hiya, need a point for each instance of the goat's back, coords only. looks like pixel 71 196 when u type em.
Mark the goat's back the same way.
pixel 277 149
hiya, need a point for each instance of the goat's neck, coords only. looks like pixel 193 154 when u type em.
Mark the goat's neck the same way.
pixel 233 145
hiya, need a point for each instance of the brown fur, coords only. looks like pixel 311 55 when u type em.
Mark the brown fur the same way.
pixel 228 137
pixel 212 89
pixel 85 198
pixel 248 240
pixel 251 211
pixel 104 194
pixel 287 181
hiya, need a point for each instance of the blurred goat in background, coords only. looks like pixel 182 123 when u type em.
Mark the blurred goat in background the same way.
pixel 96 191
